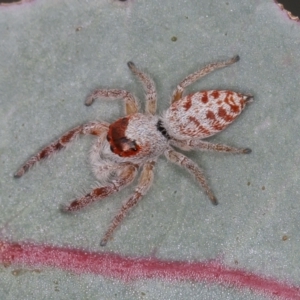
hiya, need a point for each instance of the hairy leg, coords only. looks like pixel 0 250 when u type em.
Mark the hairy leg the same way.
pixel 207 146
pixel 149 87
pixel 144 184
pixel 126 175
pixel 177 94
pixel 131 104
pixel 191 167
pixel 102 168
pixel 94 128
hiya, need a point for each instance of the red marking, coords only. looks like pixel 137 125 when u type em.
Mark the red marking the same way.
pixel 215 94
pixel 223 114
pixel 58 146
pixel 199 128
pixel 136 268
pixel 67 138
pixel 194 120
pixel 44 153
pixel 233 107
pixel 97 193
pixel 188 102
pixel 218 126
pixel 204 98
pixel 210 115
pixel 118 141
pixel 48 150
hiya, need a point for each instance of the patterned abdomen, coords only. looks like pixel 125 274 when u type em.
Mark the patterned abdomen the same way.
pixel 203 114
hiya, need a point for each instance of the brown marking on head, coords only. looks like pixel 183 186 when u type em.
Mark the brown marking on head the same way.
pixel 119 143
pixel 215 94
pixel 188 102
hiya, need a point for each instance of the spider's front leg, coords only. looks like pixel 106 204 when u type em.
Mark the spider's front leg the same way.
pixel 149 88
pixel 144 184
pixel 94 128
pixel 177 94
pixel 131 104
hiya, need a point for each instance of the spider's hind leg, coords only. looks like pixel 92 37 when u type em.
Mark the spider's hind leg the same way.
pixel 177 94
pixel 193 169
pixel 207 146
pixel 149 87
pixel 144 184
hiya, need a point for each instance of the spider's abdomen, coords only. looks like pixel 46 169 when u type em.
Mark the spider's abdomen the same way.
pixel 203 114
pixel 136 138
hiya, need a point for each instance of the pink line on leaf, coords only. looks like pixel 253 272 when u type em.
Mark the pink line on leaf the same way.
pixel 134 268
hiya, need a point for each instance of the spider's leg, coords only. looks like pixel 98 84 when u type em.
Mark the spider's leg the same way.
pixel 125 176
pixel 185 162
pixel 145 182
pixel 177 94
pixel 131 104
pixel 102 168
pixel 207 146
pixel 149 87
pixel 94 128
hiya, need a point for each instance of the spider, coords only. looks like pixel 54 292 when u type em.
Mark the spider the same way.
pixel 136 140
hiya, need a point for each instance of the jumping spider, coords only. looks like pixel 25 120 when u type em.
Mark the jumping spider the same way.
pixel 138 139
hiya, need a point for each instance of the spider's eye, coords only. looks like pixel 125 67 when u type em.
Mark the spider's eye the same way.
pixel 124 147
pixel 127 144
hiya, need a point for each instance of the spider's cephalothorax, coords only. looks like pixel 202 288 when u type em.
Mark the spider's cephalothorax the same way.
pixel 137 140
